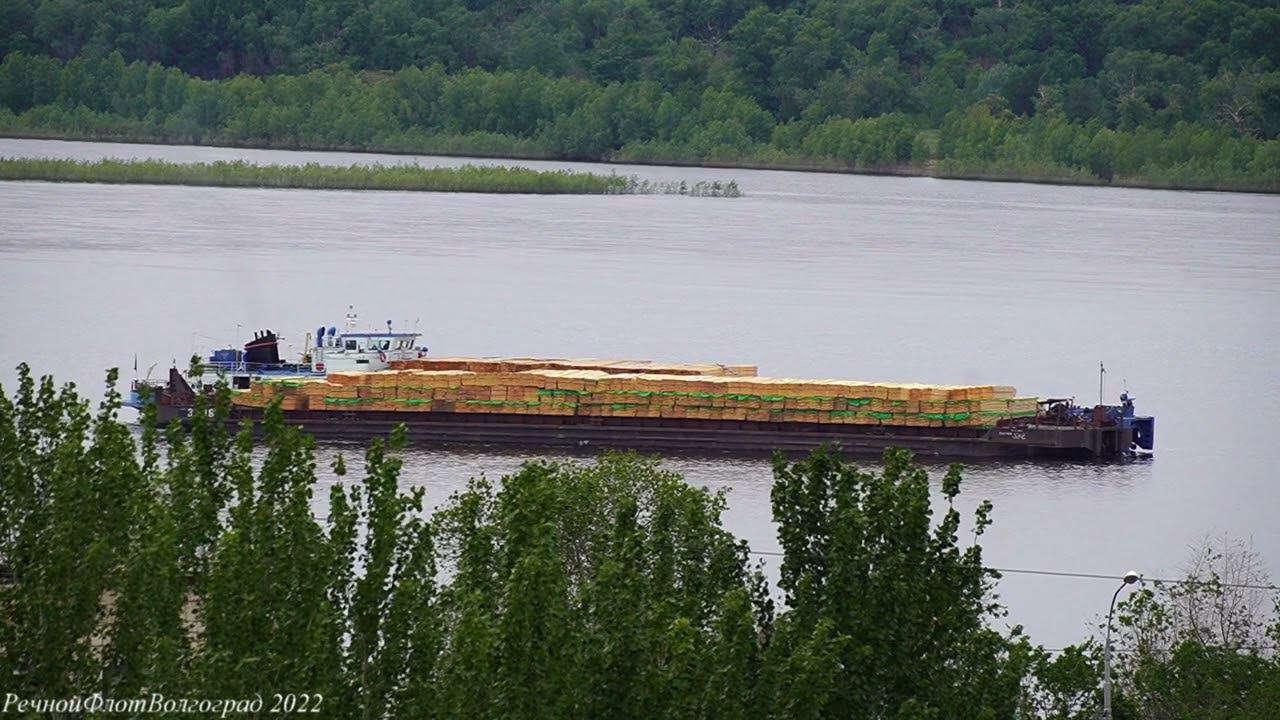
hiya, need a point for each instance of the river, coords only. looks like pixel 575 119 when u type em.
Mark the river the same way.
pixel 818 275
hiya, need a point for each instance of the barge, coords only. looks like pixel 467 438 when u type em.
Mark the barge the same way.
pixel 355 385
pixel 1022 441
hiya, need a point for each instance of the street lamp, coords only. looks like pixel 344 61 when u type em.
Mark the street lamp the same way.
pixel 1130 578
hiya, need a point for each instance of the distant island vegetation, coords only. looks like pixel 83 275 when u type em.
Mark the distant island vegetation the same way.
pixel 1156 93
pixel 468 178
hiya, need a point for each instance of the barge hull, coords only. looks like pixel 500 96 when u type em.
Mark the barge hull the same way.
pixel 709 436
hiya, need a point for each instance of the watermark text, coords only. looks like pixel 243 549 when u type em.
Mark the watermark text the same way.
pixel 159 704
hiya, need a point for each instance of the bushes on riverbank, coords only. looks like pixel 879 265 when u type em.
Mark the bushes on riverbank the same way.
pixel 468 178
pixel 192 565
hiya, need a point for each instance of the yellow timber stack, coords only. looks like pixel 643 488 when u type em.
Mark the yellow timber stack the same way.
pixel 637 389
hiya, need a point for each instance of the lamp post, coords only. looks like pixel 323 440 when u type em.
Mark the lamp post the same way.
pixel 1130 578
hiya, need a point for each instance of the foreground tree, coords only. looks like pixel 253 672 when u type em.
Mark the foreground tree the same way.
pixel 197 567
pixel 1204 646
pixel 890 611
pixel 201 569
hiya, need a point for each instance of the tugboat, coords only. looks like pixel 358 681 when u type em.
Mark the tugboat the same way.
pixel 332 351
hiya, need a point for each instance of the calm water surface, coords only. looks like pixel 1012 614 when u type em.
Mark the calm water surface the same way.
pixel 808 275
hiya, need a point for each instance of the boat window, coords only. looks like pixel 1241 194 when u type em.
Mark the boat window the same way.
pixel 351 345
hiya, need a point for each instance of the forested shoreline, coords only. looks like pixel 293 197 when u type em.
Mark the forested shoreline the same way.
pixel 1154 93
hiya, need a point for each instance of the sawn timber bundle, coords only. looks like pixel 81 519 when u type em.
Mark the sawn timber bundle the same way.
pixel 637 389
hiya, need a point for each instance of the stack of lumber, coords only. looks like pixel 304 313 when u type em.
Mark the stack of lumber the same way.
pixel 595 392
pixel 292 392
pixel 518 364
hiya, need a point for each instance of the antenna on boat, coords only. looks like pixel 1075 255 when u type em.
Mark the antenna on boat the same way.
pixel 1102 371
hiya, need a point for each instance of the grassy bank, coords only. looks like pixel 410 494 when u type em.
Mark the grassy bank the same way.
pixel 484 145
pixel 468 178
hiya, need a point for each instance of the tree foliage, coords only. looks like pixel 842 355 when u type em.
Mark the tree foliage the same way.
pixel 1205 646
pixel 670 80
pixel 894 606
pixel 192 563
pixel 197 567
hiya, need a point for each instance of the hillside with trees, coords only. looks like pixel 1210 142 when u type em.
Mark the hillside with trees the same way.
pixel 1155 92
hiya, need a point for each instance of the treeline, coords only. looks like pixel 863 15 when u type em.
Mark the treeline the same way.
pixel 192 565
pixel 529 114
pixel 1147 62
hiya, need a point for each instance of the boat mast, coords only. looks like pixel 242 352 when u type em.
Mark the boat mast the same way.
pixel 1102 371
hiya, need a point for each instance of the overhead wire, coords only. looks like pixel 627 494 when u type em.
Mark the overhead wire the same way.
pixel 1123 651
pixel 1093 576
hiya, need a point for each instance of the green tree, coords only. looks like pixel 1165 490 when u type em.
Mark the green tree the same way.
pixel 891 607
pixel 190 561
pixel 68 488
pixel 632 35
pixel 1197 648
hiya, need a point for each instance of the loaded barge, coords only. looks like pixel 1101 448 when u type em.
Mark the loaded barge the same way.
pixel 354 385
